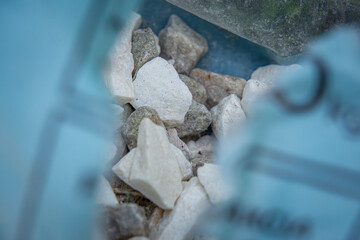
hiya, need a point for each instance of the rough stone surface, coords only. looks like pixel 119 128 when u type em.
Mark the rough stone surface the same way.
pixel 131 127
pixel 181 43
pixel 123 221
pixel 229 85
pixel 271 73
pixel 158 85
pixel 252 91
pixel 105 195
pixel 284 27
pixel 204 145
pixel 150 165
pixel 197 90
pixel 197 120
pixel 176 224
pixel 214 95
pixel 184 164
pixel 155 217
pixel 145 46
pixel 212 180
pixel 177 142
pixel 118 72
pixel 227 115
pixel 200 161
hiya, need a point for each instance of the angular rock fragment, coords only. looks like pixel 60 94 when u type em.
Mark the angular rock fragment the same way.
pixel 145 46
pixel 197 90
pixel 152 164
pixel 227 115
pixel 212 180
pixel 177 142
pixel 181 43
pixel 229 85
pixel 105 194
pixel 131 127
pixel 270 73
pixel 214 95
pixel 123 221
pixel 176 224
pixel 155 217
pixel 204 145
pixel 157 85
pixel 252 91
pixel 123 168
pixel 118 72
pixel 184 164
pixel 197 120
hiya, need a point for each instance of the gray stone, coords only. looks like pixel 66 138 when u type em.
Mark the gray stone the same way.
pixel 280 25
pixel 197 120
pixel 145 46
pixel 131 127
pixel 123 221
pixel 229 84
pixel 197 90
pixel 215 95
pixel 181 43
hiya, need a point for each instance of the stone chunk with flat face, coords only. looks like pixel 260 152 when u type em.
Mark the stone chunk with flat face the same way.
pixel 217 85
pixel 118 71
pixel 157 85
pixel 227 115
pixel 182 44
pixel 177 223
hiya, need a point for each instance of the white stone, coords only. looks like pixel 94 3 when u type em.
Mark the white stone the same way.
pixel 271 73
pixel 177 142
pixel 204 145
pixel 252 91
pixel 155 170
pixel 213 182
pixel 105 195
pixel 227 115
pixel 157 85
pixel 118 72
pixel 123 167
pixel 175 224
pixel 184 164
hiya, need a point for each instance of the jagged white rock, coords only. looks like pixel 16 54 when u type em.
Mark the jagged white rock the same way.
pixel 184 164
pixel 227 115
pixel 157 85
pixel 175 224
pixel 212 180
pixel 105 195
pixel 204 145
pixel 152 167
pixel 123 167
pixel 252 91
pixel 118 72
pixel 271 73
